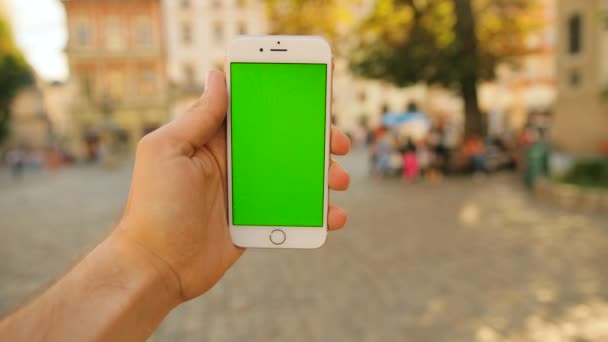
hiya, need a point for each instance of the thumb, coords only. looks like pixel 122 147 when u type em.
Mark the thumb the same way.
pixel 200 123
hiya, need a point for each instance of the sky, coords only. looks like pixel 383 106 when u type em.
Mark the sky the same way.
pixel 40 31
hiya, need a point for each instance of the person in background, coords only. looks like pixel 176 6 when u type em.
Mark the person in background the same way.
pixel 411 168
pixel 437 140
pixel 537 158
pixel 379 158
pixel 473 151
pixel 370 138
pixel 16 160
pixel 425 158
pixel 412 108
pixel 381 128
pixel 383 158
pixel 37 160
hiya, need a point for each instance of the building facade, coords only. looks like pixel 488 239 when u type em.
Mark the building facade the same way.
pixel 525 84
pixel 198 32
pixel 117 58
pixel 31 127
pixel 581 111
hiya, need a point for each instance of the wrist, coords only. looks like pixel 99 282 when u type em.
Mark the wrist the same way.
pixel 154 272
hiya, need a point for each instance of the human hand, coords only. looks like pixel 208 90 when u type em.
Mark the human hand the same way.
pixel 177 206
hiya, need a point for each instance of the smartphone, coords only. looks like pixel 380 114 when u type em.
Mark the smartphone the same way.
pixel 278 136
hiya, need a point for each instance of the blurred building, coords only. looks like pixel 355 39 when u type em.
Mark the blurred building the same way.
pixel 581 111
pixel 198 32
pixel 30 125
pixel 40 116
pixel 58 101
pixel 525 84
pixel 117 59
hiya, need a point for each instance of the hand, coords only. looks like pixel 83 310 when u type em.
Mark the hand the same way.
pixel 176 210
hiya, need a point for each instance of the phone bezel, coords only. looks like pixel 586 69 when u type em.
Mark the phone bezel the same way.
pixel 294 49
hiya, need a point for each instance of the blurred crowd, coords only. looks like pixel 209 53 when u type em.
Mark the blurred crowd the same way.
pixel 413 146
pixel 106 148
pixel 20 159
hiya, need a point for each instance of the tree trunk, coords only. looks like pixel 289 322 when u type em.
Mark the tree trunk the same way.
pixel 474 120
pixel 469 60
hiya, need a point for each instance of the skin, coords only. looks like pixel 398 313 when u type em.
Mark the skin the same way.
pixel 171 245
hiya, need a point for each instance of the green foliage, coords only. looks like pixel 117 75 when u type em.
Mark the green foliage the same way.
pixel 409 41
pixel 454 43
pixel 14 74
pixel 590 173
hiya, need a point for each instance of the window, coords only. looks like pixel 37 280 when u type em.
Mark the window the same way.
pixel 218 33
pixel 147 81
pixel 143 32
pixel 241 28
pixel 83 33
pixel 114 36
pixel 187 33
pixel 575 32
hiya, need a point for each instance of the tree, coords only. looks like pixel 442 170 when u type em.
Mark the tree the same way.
pixel 329 18
pixel 14 74
pixel 454 43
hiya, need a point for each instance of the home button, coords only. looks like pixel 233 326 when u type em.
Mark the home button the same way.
pixel 277 237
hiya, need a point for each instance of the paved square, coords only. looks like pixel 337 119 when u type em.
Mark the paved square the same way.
pixel 458 261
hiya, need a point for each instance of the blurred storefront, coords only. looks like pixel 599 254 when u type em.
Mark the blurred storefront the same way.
pixel 581 112
pixel 117 59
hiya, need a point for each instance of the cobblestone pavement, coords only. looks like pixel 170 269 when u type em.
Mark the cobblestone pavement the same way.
pixel 460 261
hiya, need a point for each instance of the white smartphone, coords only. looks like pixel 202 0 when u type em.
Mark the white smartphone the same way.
pixel 278 137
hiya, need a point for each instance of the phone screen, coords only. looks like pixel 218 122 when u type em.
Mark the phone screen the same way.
pixel 278 128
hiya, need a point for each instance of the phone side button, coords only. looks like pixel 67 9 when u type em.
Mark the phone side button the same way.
pixel 278 237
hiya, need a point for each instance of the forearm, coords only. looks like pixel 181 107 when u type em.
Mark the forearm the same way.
pixel 117 293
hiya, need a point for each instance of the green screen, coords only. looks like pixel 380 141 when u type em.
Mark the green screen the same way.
pixel 278 124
